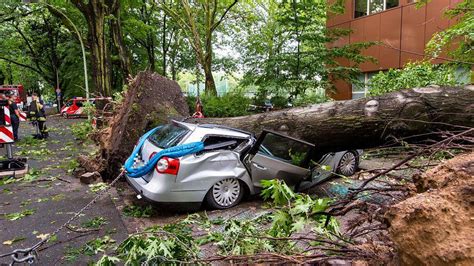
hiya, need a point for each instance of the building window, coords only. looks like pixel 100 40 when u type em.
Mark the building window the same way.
pixel 367 7
pixel 361 89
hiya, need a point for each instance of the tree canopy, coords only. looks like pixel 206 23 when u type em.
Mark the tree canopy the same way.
pixel 281 48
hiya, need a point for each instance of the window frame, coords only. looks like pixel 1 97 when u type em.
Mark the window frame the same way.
pixel 238 148
pixel 368 8
pixel 305 162
pixel 366 89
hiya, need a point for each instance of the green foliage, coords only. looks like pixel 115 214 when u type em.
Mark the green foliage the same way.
pixel 311 97
pixel 91 248
pixel 19 215
pixel 159 244
pixel 71 165
pixel 462 30
pixel 95 188
pixel 270 232
pixel 97 245
pixel 89 109
pixel 138 211
pixel 82 130
pixel 30 141
pixel 107 261
pixel 95 222
pixel 296 211
pixel 31 176
pixel 413 75
pixel 286 51
pixel 231 104
pixel 238 238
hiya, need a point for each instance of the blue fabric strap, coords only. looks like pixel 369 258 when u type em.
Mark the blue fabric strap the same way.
pixel 173 152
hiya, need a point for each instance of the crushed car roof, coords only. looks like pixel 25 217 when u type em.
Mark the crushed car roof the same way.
pixel 216 129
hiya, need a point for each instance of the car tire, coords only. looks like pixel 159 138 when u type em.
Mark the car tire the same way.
pixel 225 194
pixel 348 164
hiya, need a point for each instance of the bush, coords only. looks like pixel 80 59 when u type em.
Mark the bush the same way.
pixel 413 75
pixel 310 98
pixel 230 104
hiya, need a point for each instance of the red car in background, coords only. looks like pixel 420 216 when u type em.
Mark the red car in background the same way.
pixel 75 106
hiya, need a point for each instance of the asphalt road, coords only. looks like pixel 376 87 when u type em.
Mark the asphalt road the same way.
pixel 52 197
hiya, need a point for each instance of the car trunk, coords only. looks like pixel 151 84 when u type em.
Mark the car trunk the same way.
pixel 147 150
pixel 165 137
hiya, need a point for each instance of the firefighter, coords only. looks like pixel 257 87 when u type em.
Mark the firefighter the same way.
pixel 14 115
pixel 38 116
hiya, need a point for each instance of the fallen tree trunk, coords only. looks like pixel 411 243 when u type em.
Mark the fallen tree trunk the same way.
pixel 366 122
pixel 362 123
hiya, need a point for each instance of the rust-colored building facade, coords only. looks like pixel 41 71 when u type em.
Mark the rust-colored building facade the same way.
pixel 400 26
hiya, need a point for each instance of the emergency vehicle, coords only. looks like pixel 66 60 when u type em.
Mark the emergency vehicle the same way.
pixel 75 107
pixel 21 99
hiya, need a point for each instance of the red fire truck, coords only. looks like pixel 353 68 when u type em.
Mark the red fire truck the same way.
pixel 20 94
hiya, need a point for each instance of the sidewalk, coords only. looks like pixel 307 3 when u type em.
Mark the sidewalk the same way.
pixel 45 199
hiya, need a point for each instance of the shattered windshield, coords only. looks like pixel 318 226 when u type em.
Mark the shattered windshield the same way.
pixel 168 136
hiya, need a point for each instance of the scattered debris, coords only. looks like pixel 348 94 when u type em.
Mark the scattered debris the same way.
pixel 138 211
pixel 19 215
pixel 90 177
pixel 14 240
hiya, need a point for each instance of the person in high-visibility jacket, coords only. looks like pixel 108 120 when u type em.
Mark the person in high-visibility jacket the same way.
pixel 38 115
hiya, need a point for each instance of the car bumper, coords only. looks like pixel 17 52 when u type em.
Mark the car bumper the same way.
pixel 162 188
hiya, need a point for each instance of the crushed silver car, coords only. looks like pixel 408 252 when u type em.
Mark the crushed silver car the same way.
pixel 231 164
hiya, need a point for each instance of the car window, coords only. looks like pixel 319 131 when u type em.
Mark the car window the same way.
pixel 284 149
pixel 79 103
pixel 168 136
pixel 221 142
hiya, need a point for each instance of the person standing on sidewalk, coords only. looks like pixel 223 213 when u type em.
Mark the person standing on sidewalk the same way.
pixel 14 115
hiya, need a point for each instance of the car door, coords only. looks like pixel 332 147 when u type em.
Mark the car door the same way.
pixel 278 156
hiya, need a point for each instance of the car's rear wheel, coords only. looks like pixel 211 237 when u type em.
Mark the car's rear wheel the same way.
pixel 225 194
pixel 348 164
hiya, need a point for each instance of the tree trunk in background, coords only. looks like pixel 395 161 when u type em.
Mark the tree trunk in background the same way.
pixel 210 87
pixel 117 36
pixel 95 12
pixel 366 122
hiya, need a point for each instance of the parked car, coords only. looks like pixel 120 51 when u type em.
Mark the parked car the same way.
pixel 75 107
pixel 232 164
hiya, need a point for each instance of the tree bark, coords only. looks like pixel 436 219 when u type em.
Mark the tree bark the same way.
pixel 366 122
pixel 117 37
pixel 95 12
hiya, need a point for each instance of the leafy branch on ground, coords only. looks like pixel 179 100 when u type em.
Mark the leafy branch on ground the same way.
pixel 82 130
pixel 95 222
pixel 19 215
pixel 276 231
pixel 138 211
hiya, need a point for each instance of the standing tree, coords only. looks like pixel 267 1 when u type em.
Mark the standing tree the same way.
pixel 286 48
pixel 199 21
pixel 96 13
